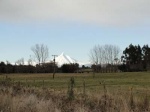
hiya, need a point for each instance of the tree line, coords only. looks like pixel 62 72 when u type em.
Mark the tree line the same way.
pixel 108 58
pixel 9 68
pixel 42 68
pixel 104 58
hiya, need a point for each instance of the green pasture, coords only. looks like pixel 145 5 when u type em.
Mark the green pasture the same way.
pixel 114 82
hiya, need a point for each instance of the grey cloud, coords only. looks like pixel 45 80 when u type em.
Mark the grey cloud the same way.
pixel 102 12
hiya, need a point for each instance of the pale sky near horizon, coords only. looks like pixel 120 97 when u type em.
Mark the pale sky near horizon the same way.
pixel 71 26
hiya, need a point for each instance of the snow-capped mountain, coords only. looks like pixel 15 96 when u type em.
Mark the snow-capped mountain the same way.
pixel 65 59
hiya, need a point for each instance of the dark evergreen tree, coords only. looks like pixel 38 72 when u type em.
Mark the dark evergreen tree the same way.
pixel 136 58
pixel 69 68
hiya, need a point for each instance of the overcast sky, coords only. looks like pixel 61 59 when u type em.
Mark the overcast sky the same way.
pixel 71 26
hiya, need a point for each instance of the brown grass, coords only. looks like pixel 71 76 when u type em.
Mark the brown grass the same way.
pixel 21 99
pixel 106 97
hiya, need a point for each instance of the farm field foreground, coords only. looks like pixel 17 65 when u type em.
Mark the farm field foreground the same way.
pixel 103 92
pixel 139 81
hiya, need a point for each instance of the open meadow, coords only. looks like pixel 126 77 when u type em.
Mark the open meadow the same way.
pixel 102 92
pixel 139 81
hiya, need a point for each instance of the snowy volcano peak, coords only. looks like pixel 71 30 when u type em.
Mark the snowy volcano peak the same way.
pixel 64 59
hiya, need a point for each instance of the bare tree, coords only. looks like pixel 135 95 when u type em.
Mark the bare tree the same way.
pixel 105 54
pixel 41 52
pixel 117 51
pixel 30 61
pixel 20 61
pixel 94 55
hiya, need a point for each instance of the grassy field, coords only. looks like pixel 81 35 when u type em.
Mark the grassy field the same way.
pixel 139 81
pixel 106 92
